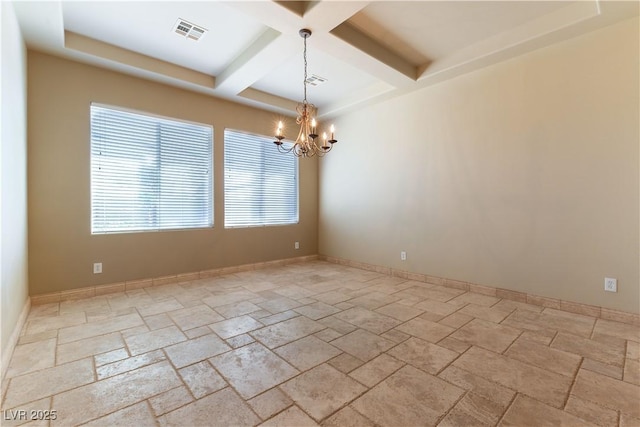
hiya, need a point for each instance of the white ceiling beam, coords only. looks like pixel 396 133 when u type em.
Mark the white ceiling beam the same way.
pixel 297 7
pixel 271 14
pixel 323 17
pixel 533 34
pixel 319 16
pixel 359 59
pixel 283 104
pixel 119 55
pixel 273 47
pixel 332 34
pixel 335 36
pixel 263 56
pixel 392 68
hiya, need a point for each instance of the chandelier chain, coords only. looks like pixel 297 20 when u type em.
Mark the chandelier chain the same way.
pixel 305 70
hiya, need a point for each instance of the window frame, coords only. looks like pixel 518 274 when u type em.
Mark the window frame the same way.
pixel 159 117
pixel 268 145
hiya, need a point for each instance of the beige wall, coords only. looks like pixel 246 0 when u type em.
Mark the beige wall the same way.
pixel 523 175
pixel 61 247
pixel 13 178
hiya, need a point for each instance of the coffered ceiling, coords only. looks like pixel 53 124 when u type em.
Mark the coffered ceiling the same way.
pixel 251 51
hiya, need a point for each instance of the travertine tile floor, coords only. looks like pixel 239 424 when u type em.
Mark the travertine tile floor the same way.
pixel 319 343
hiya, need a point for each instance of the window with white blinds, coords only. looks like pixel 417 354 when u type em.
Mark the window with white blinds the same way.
pixel 260 183
pixel 149 173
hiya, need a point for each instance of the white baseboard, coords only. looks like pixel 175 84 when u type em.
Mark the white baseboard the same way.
pixel 13 340
pixel 91 291
pixel 565 305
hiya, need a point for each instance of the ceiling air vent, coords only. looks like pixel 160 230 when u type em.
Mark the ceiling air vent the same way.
pixel 314 80
pixel 189 30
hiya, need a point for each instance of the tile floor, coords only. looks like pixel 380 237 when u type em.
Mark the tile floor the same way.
pixel 319 343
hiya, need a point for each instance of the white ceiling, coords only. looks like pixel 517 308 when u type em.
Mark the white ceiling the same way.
pixel 252 53
pixel 146 29
pixel 424 31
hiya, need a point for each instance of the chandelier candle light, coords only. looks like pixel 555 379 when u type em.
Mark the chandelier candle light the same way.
pixel 305 144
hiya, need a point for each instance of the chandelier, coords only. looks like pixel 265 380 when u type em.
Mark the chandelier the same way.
pixel 305 144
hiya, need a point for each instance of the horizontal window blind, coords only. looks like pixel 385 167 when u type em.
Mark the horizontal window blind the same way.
pixel 149 173
pixel 260 183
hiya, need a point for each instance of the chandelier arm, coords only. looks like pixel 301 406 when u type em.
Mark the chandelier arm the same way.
pixel 299 139
pixel 284 150
pixel 297 150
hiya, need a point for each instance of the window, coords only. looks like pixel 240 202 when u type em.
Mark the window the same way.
pixel 260 183
pixel 148 172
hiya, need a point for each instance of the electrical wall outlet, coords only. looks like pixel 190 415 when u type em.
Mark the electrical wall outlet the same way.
pixel 97 267
pixel 403 256
pixel 610 284
pixel 296 245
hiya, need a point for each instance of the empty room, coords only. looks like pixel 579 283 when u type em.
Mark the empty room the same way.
pixel 335 213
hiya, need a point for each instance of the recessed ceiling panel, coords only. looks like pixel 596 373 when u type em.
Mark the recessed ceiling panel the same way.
pixel 424 31
pixel 148 28
pixel 341 79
